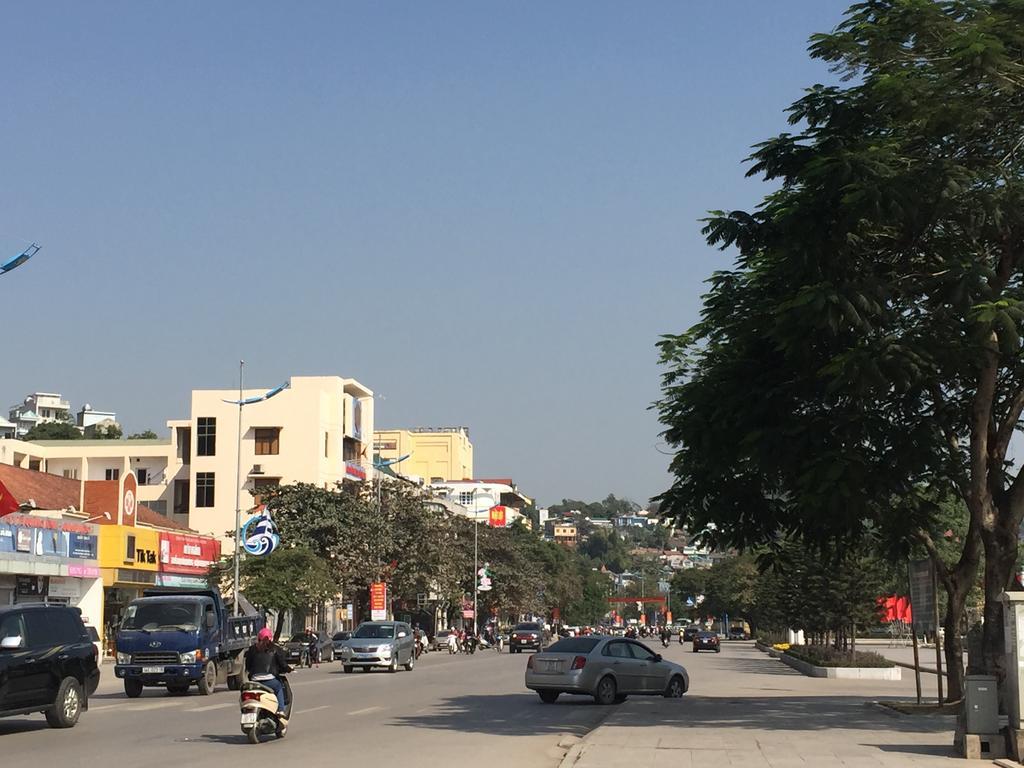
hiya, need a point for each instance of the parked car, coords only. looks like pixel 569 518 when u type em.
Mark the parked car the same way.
pixel 738 633
pixel 338 640
pixel 440 641
pixel 691 632
pixel 607 668
pixel 387 644
pixel 298 648
pixel 706 641
pixel 47 651
pixel 527 636
pixel 94 636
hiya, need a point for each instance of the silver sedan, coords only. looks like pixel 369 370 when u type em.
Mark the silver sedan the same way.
pixel 607 668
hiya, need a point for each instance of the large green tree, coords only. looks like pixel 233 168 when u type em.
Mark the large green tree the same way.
pixel 288 578
pixel 863 357
pixel 53 430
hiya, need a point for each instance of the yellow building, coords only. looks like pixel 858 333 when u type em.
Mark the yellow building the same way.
pixel 436 454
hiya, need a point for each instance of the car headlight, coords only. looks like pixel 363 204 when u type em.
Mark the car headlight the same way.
pixel 384 650
pixel 124 658
pixel 192 657
pixel 346 651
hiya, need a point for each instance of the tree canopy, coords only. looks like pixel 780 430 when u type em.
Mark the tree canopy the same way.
pixel 53 430
pixel 863 357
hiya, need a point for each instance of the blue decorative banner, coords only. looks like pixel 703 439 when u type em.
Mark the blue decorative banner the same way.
pixel 259 535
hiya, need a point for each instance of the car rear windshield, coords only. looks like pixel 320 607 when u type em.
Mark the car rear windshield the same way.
pixel 528 627
pixel 574 645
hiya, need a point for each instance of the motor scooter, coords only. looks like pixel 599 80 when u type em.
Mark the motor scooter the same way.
pixel 664 641
pixel 259 717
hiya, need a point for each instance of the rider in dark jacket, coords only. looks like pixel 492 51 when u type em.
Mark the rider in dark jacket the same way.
pixel 265 662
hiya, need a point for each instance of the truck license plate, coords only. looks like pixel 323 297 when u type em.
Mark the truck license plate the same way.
pixel 248 718
pixel 152 670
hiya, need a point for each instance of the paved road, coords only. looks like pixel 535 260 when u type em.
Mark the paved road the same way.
pixel 463 710
pixel 457 708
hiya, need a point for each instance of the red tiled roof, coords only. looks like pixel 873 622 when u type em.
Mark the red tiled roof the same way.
pixel 48 491
pixel 55 492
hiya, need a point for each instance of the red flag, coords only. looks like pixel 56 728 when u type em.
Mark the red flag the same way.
pixel 8 503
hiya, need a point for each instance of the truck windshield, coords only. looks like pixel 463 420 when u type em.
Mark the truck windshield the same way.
pixel 154 616
pixel 376 631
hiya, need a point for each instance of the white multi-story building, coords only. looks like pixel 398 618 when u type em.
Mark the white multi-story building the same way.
pixel 89 417
pixel 318 430
pixel 39 408
pixel 477 497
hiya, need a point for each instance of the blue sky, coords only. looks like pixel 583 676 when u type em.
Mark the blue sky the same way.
pixel 485 212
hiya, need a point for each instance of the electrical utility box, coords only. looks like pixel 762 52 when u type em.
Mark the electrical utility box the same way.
pixel 981 704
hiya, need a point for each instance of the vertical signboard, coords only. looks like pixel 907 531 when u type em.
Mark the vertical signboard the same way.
pixel 497 517
pixel 378 601
pixel 922 595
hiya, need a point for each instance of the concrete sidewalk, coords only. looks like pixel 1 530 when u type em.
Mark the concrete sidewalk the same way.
pixel 747 709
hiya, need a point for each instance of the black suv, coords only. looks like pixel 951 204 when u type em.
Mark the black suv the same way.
pixel 48 663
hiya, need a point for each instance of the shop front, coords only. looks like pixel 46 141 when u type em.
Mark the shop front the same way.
pixel 49 560
pixel 129 559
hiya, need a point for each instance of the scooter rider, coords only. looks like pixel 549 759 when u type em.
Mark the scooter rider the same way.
pixel 264 662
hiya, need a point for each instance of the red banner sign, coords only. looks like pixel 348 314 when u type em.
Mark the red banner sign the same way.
pixel 187 554
pixel 378 601
pixel 497 517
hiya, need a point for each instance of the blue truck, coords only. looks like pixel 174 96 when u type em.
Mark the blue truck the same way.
pixel 183 638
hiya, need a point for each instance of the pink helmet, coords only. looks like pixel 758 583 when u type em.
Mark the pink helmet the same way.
pixel 265 634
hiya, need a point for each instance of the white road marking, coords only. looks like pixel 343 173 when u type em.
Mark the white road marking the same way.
pixel 155 705
pixel 214 706
pixel 314 709
pixel 366 711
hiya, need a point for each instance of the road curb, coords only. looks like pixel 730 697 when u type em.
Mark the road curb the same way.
pixel 574 754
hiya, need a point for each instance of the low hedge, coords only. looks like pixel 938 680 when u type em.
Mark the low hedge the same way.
pixel 825 656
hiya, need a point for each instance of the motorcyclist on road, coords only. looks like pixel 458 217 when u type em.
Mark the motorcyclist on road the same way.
pixel 264 662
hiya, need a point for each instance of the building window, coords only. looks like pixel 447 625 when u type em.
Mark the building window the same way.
pixel 204 489
pixel 350 449
pixel 34 464
pixel 466 498
pixel 327 444
pixel 206 436
pixel 71 474
pixel 181 497
pixel 112 474
pixel 261 485
pixel 129 550
pixel 142 475
pixel 159 506
pixel 267 441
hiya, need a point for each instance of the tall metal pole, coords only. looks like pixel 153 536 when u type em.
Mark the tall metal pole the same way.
pixel 238 486
pixel 476 564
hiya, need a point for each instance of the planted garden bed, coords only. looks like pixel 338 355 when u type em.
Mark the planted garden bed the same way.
pixel 822 661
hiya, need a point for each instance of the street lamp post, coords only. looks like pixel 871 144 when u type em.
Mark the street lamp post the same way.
pixel 238 487
pixel 240 402
pixel 16 261
pixel 476 553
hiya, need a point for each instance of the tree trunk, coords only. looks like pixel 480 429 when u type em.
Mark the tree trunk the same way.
pixel 954 650
pixel 1000 561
